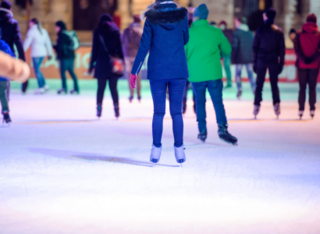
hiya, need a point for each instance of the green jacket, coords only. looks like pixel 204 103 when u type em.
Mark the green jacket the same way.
pixel 206 44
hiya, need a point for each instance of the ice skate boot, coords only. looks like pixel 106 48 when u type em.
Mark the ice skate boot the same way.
pixel 130 98
pixel 239 94
pixel 39 91
pixel 202 136
pixel 62 90
pixel 225 135
pixel 277 109
pixel 155 154
pixel 99 111
pixel 116 111
pixel 300 114
pixel 256 110
pixel 46 88
pixel 73 91
pixel 139 99
pixel 179 154
pixel 312 112
pixel 6 118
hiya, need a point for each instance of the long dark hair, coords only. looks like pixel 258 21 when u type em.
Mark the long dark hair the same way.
pixel 37 22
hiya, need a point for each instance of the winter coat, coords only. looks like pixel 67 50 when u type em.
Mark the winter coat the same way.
pixel 131 39
pixel 165 33
pixel 307 46
pixel 100 58
pixel 242 46
pixel 268 46
pixel 63 47
pixel 39 41
pixel 5 48
pixel 10 33
pixel 228 34
pixel 204 51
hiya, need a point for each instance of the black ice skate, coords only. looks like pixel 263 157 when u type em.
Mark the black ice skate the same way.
pixel 239 94
pixel 277 109
pixel 202 136
pixel 6 118
pixel 139 99
pixel 300 114
pixel 130 98
pixel 116 111
pixel 99 111
pixel 61 91
pixel 225 135
pixel 73 91
pixel 312 112
pixel 256 110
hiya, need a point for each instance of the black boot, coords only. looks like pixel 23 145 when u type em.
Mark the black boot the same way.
pixel 225 135
pixel 24 87
pixel 99 110
pixel 6 117
pixel 202 136
pixel 277 109
pixel 116 111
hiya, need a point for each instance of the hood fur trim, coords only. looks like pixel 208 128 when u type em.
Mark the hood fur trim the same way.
pixel 162 17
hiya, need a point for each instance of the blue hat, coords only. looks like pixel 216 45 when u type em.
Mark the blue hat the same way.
pixel 201 11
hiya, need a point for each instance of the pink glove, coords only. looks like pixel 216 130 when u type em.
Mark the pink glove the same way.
pixel 133 79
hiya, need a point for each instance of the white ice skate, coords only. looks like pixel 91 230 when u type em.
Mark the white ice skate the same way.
pixel 180 155
pixel 256 111
pixel 155 154
pixel 39 91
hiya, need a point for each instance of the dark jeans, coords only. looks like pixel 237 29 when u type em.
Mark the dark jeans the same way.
pixel 310 77
pixel 261 76
pixel 227 64
pixel 4 95
pixel 185 94
pixel 68 65
pixel 159 90
pixel 102 83
pixel 215 90
pixel 250 75
pixel 37 61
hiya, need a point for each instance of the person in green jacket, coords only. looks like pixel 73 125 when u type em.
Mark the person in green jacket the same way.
pixel 206 46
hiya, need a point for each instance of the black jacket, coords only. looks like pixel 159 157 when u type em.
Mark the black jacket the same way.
pixel 268 46
pixel 242 47
pixel 228 34
pixel 64 46
pixel 100 58
pixel 11 33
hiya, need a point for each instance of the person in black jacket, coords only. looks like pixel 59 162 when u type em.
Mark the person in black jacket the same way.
pixel 106 43
pixel 227 59
pixel 66 55
pixel 242 54
pixel 11 33
pixel 268 53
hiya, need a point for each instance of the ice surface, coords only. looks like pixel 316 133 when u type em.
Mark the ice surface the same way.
pixel 64 171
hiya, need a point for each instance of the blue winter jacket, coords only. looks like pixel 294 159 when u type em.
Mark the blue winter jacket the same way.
pixel 165 34
pixel 5 48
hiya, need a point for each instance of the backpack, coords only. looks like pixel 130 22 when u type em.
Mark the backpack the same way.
pixel 74 40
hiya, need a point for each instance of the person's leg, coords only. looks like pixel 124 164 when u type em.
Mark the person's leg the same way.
pixel 36 67
pixel 63 69
pixel 3 96
pixel 249 67
pixel 184 98
pixel 158 91
pixel 261 76
pixel 312 83
pixel 227 65
pixel 199 89
pixel 215 89
pixel 302 78
pixel 114 91
pixel 273 72
pixel 176 90
pixel 238 76
pixel 72 74
pixel 43 81
pixel 101 88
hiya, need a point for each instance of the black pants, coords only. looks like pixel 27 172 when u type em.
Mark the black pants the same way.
pixel 68 65
pixel 310 77
pixel 184 99
pixel 261 76
pixel 102 83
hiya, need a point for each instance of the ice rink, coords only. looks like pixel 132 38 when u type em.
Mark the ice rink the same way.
pixel 64 171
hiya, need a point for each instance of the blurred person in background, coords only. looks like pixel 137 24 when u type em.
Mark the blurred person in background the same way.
pixel 66 56
pixel 130 42
pixel 203 53
pixel 292 34
pixel 11 34
pixel 268 53
pixel 106 44
pixel 242 54
pixel 307 48
pixel 38 39
pixel 227 59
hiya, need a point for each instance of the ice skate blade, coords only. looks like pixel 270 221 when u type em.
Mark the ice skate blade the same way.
pixel 234 144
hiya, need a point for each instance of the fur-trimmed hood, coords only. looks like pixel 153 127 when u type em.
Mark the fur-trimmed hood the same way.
pixel 165 13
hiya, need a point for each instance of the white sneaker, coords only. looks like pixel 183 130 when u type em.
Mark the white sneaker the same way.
pixel 155 154
pixel 39 91
pixel 180 155
pixel 46 88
